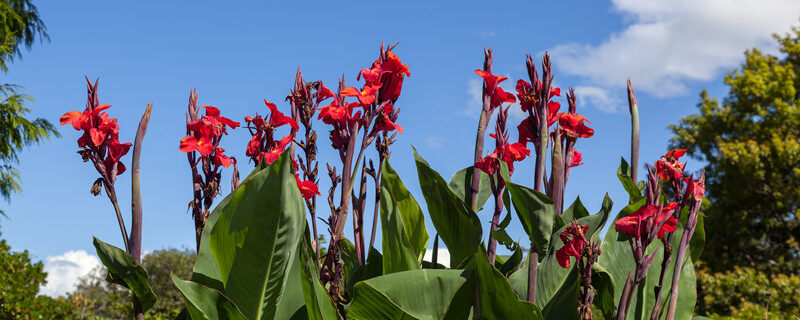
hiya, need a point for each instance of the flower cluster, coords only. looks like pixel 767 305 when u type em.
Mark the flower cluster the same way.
pixel 649 219
pixel 574 243
pixel 669 166
pixel 204 135
pixel 508 153
pixel 262 146
pixel 100 140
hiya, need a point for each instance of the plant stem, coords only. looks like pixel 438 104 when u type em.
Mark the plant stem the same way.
pixel 498 209
pixel 533 265
pixel 376 209
pixel 625 299
pixel 688 232
pixel 486 113
pixel 435 254
pixel 112 196
pixel 634 109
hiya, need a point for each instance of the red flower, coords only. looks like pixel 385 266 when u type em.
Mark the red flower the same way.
pixel 554 92
pixel 634 224
pixel 384 122
pixel 220 159
pixel 488 164
pixel 489 80
pixel 335 113
pixel 392 71
pixel 100 136
pixel 515 152
pixel 307 188
pixel 275 150
pixel 695 190
pixel 577 159
pixel 367 94
pixel 669 167
pixel 500 96
pixel 527 99
pixel 524 130
pixel 573 125
pixel 574 243
pixel 323 93
pixel 552 112
pixel 202 145
pixel 277 119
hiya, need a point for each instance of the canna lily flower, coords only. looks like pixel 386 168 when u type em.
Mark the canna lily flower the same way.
pixel 276 150
pixel 202 145
pixel 489 164
pixel 490 81
pixel 695 189
pixel 367 94
pixel 384 122
pixel 220 159
pixel 525 133
pixel 307 188
pixel 323 93
pixel 577 159
pixel 572 125
pixel 277 118
pixel 501 96
pixel 574 243
pixel 515 152
pixel 634 224
pixel 335 113
pixel 669 167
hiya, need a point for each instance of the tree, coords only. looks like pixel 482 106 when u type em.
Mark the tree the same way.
pixel 19 25
pixel 20 280
pixel 750 143
pixel 95 297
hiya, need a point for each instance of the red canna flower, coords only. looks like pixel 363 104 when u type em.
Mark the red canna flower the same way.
pixel 669 167
pixel 527 99
pixel 646 216
pixel 384 121
pixel 323 93
pixel 202 145
pixel 366 95
pixel 277 118
pixel 100 139
pixel 515 152
pixel 501 96
pixel 574 243
pixel 489 164
pixel 220 159
pixel 307 188
pixel 577 159
pixel 524 130
pixel 572 125
pixel 695 189
pixel 489 80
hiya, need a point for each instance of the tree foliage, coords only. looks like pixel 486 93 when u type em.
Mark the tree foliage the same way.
pixel 20 24
pixel 750 142
pixel 743 293
pixel 95 297
pixel 20 279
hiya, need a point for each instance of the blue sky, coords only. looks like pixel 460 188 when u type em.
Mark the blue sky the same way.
pixel 236 55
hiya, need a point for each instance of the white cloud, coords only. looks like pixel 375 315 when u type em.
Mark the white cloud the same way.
pixel 472 107
pixel 443 256
pixel 669 44
pixel 64 271
pixel 599 98
pixel 435 143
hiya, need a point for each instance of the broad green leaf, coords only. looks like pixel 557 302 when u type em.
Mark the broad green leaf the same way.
pixel 255 239
pixel 373 268
pixel 204 302
pixel 624 176
pixel 461 184
pixel 403 224
pixel 536 212
pixel 512 263
pixel 125 269
pixel 564 304
pixel 459 227
pixel 496 298
pixel 317 302
pixel 575 211
pixel 205 270
pixel 603 283
pixel 617 258
pixel 417 294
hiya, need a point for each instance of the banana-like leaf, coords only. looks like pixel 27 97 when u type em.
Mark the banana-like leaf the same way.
pixel 417 294
pixel 461 184
pixel 206 303
pixel 318 304
pixel 624 175
pixel 537 214
pixel 458 226
pixel 403 224
pixel 564 304
pixel 496 298
pixel 255 239
pixel 617 258
pixel 603 283
pixel 123 268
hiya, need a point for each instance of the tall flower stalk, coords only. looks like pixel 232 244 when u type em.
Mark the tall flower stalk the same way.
pixel 201 145
pixel 100 144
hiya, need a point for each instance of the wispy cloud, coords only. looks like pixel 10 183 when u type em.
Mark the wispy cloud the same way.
pixel 670 44
pixel 64 271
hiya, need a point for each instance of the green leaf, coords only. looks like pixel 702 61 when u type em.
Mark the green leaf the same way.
pixel 564 304
pixel 461 185
pixel 537 214
pixel 204 302
pixel 206 271
pixel 416 294
pixel 617 258
pixel 575 211
pixel 624 176
pixel 603 283
pixel 496 298
pixel 458 226
pixel 317 302
pixel 124 268
pixel 373 268
pixel 255 239
pixel 403 224
pixel 512 263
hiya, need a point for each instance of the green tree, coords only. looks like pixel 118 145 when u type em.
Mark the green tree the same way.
pixel 19 25
pixel 20 280
pixel 94 297
pixel 750 143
